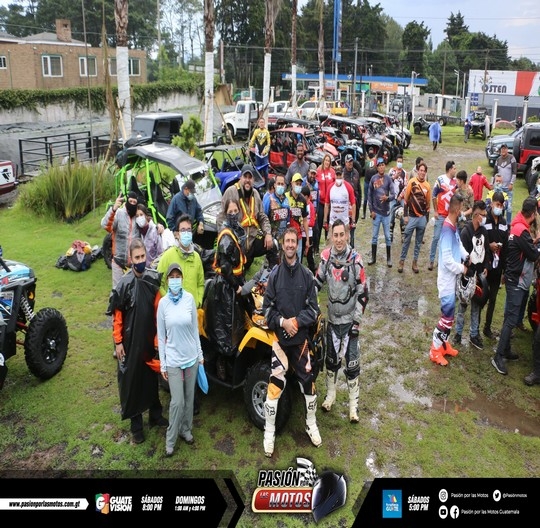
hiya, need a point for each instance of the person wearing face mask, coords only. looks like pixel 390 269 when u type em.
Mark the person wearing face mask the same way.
pixel 299 211
pixel 277 209
pixel 475 240
pixel 223 305
pixel 185 202
pixel 521 256
pixel 497 230
pixel 151 234
pixel 180 355
pixel 189 259
pixel 341 203
pixel 120 222
pixel 132 305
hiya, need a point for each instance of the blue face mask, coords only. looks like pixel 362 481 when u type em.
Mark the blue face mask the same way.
pixel 280 190
pixel 175 285
pixel 399 165
pixel 190 196
pixel 497 211
pixel 186 238
pixel 297 189
pixel 139 267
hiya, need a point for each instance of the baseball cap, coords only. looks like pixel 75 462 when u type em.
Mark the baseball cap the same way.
pixel 380 161
pixel 172 267
pixel 189 184
pixel 296 176
pixel 338 170
pixel 247 168
pixel 348 157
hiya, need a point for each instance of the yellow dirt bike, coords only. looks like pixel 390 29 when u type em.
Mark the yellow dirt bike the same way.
pixel 248 367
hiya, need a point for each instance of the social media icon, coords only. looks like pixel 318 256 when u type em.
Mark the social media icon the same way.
pixel 454 512
pixel 443 495
pixel 443 512
pixel 496 495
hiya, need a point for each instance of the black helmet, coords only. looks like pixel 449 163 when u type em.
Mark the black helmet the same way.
pixel 481 291
pixel 329 494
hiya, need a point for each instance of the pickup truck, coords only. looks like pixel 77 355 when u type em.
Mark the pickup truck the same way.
pixel 243 119
pixel 8 177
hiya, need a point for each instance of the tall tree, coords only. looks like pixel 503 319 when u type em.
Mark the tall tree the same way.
pixel 414 40
pixel 455 27
pixel 209 31
pixel 320 48
pixel 272 10
pixel 293 54
pixel 122 65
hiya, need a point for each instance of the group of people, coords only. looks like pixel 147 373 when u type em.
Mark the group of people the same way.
pixel 472 238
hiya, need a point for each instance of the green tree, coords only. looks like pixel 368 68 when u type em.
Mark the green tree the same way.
pixel 455 27
pixel 414 44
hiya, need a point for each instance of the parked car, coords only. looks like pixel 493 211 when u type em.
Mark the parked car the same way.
pixel 312 110
pixel 8 177
pixel 155 127
pixel 494 144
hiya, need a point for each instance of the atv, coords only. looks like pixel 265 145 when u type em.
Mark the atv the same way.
pixel 249 368
pixel 45 332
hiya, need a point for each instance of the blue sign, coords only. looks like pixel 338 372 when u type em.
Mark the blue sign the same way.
pixel 474 98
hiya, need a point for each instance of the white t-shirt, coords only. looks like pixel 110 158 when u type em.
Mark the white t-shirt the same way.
pixel 339 204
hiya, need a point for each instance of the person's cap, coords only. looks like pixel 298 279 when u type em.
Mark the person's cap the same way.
pixel 313 167
pixel 247 169
pixel 504 145
pixel 313 170
pixel 297 177
pixel 174 266
pixel 380 161
pixel 189 184
pixel 338 170
pixel 348 157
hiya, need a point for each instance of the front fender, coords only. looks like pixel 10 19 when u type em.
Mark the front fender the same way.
pixel 257 335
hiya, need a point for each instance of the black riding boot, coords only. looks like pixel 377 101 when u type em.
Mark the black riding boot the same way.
pixel 389 256
pixel 373 258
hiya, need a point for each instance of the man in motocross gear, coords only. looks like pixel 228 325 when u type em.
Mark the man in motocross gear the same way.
pixel 291 309
pixel 341 267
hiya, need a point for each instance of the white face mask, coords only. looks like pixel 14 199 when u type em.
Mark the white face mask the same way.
pixel 339 181
pixel 483 221
pixel 141 221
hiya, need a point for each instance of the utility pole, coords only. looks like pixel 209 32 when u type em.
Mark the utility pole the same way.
pixel 444 69
pixel 354 78
pixel 485 78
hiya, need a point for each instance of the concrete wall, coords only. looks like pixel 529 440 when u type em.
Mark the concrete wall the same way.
pixel 68 112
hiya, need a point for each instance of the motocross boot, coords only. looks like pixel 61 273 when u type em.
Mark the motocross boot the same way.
pixel 270 412
pixel 354 391
pixel 331 378
pixel 311 424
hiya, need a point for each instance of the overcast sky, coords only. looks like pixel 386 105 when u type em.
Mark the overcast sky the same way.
pixel 515 21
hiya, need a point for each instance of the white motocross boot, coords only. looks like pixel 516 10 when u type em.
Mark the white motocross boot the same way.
pixel 331 378
pixel 311 424
pixel 354 391
pixel 270 412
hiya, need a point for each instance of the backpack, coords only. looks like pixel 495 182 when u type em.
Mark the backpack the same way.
pixel 78 257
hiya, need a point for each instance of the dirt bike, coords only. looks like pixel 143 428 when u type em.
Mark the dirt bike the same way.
pixel 45 332
pixel 249 367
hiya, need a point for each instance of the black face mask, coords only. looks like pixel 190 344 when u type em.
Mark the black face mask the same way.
pixel 131 209
pixel 232 219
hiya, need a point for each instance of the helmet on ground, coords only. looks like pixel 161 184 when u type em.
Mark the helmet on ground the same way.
pixel 399 212
pixel 465 287
pixel 481 291
pixel 329 494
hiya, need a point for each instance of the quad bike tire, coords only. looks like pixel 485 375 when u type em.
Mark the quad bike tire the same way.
pixel 417 129
pixel 46 343
pixel 255 388
pixel 106 250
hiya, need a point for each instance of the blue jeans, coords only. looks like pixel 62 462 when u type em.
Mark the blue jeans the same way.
pixel 377 221
pixel 514 298
pixel 436 235
pixel 509 199
pixel 415 224
pixel 475 319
